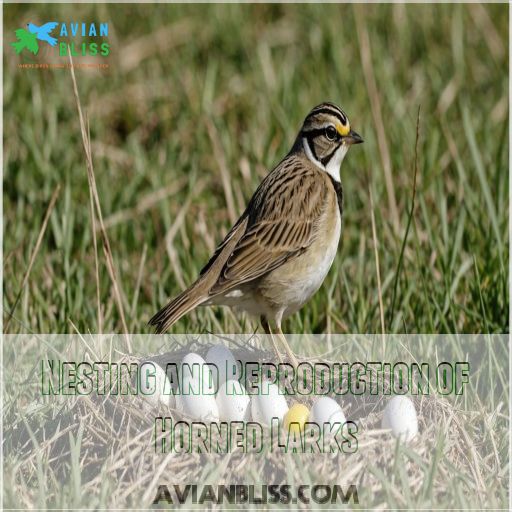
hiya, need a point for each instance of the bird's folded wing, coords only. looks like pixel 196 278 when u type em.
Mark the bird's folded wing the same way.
pixel 280 227
pixel 254 257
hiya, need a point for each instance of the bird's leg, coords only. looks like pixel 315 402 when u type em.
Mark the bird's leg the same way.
pixel 266 328
pixel 291 355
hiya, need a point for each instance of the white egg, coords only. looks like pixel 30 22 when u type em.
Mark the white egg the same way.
pixel 194 369
pixel 225 362
pixel 196 399
pixel 198 407
pixel 266 407
pixel 400 416
pixel 233 402
pixel 326 410
pixel 154 385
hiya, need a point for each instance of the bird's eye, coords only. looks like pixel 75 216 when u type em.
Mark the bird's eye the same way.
pixel 331 133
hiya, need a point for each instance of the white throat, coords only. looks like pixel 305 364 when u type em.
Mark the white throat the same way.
pixel 333 167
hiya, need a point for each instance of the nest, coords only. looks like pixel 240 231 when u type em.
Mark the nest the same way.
pixel 112 437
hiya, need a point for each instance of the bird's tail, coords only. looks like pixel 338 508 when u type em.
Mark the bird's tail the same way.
pixel 179 306
pixel 18 46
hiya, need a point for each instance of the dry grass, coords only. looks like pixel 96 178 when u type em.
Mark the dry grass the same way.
pixel 188 151
pixel 183 128
pixel 33 255
pixel 96 211
pixel 107 443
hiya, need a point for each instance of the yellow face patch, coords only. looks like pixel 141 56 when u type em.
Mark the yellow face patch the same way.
pixel 342 129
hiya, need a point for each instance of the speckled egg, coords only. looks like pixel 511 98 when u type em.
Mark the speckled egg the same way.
pixel 326 410
pixel 400 416
pixel 268 406
pixel 233 402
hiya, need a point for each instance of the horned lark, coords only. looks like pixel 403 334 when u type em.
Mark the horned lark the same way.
pixel 279 251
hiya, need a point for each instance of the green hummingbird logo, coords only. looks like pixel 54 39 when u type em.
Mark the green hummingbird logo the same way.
pixel 26 40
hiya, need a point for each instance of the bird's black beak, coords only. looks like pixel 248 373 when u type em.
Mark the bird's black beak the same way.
pixel 353 138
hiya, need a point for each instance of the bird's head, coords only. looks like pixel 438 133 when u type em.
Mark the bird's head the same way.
pixel 326 136
pixel 31 27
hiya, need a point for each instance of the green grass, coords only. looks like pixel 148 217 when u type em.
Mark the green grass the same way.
pixel 253 72
pixel 198 104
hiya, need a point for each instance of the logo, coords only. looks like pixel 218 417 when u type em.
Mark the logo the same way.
pixel 62 37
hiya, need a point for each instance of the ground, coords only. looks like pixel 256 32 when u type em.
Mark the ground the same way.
pixel 197 104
